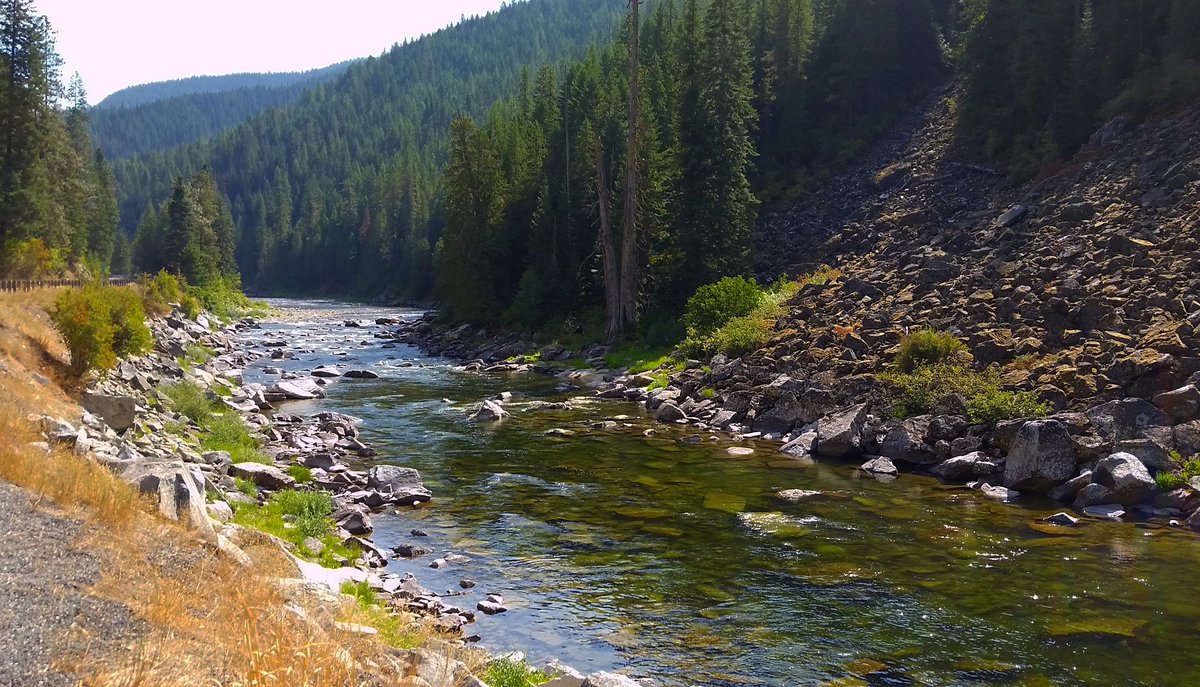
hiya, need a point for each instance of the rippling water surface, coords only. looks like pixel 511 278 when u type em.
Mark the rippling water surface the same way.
pixel 670 559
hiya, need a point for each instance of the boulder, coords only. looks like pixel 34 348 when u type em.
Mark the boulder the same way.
pixel 880 466
pixel 326 372
pixel 178 488
pixel 354 519
pixel 220 511
pixel 609 680
pixel 118 412
pixel 412 550
pixel 361 374
pixel 1067 490
pixel 323 461
pixel 1127 478
pixel 1125 419
pixel 669 413
pixel 1181 404
pixel 905 441
pixel 1011 216
pixel 840 435
pixel 401 486
pixel 489 411
pixel 1091 495
pixel 965 468
pixel 997 493
pixel 1187 438
pixel 947 427
pixel 1042 457
pixel 265 476
pixel 802 445
pixel 298 389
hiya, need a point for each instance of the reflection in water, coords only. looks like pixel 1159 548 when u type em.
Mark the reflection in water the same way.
pixel 677 560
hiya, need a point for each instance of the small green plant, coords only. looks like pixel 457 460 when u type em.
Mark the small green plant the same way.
pixel 301 474
pixel 927 347
pixel 1169 481
pixel 708 392
pixel 661 381
pixel 294 516
pixel 505 672
pixel 991 404
pixel 197 355
pixel 715 304
pixel 227 432
pixel 189 400
pixel 362 592
pixel 246 486
pixel 159 292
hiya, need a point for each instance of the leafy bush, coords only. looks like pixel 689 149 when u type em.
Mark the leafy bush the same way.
pixel 31 259
pixel 917 392
pixel 189 400
pixel 309 515
pixel 100 323
pixel 310 508
pixel 927 347
pixel 246 486
pixel 224 298
pixel 159 292
pixel 741 335
pixel 716 304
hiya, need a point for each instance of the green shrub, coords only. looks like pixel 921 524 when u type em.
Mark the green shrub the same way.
pixel 991 404
pixel 227 432
pixel 190 305
pixel 927 347
pixel 100 324
pixel 224 298
pixel 504 672
pixel 917 392
pixel 1169 481
pixel 189 400
pixel 160 292
pixel 309 515
pixel 714 305
pixel 661 381
pixel 362 592
pixel 246 486
pixel 301 474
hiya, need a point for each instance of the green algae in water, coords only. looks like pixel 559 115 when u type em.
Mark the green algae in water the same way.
pixel 639 513
pixel 719 500
pixel 1112 627
pixel 663 531
pixel 775 524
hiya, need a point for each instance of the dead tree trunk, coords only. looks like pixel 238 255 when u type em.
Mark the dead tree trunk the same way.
pixel 608 252
pixel 630 264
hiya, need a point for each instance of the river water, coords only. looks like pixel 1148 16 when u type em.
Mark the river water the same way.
pixel 674 560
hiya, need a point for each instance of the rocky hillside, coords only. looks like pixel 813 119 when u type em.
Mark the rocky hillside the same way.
pixel 1082 284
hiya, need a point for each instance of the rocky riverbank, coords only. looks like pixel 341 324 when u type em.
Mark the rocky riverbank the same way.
pixel 128 425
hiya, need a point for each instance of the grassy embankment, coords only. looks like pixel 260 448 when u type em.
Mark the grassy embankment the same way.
pixel 204 619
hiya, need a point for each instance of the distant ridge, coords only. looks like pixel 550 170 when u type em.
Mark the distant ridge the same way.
pixel 146 94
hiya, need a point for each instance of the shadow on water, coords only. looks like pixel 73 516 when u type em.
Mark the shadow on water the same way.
pixel 676 560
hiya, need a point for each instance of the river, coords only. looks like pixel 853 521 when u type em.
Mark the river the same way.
pixel 675 560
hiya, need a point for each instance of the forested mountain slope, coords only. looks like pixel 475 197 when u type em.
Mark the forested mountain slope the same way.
pixel 353 169
pixel 158 116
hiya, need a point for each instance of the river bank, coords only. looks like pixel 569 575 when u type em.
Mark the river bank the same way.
pixel 663 552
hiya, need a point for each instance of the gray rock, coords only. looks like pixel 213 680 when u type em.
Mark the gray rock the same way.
pixel 1061 519
pixel 118 412
pixel 1108 511
pixel 1011 216
pixel 1042 457
pixel 1005 434
pixel 997 493
pixel 1180 404
pixel 398 485
pixel 609 680
pixel 669 413
pixel 879 466
pixel 326 372
pixel 361 374
pixel 299 389
pixel 322 461
pixel 220 511
pixel 412 550
pixel 314 545
pixel 840 435
pixel 797 495
pixel 489 411
pixel 178 488
pixel 782 417
pixel 491 607
pixel 354 519
pixel 1125 419
pixel 1127 478
pixel 265 476
pixel 1091 495
pixel 1187 438
pixel 221 460
pixel 905 441
pixel 965 468
pixel 1067 490
pixel 802 445
pixel 947 427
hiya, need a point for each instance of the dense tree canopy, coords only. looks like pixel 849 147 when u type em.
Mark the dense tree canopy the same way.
pixel 57 205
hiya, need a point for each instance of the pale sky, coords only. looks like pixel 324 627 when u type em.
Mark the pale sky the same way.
pixel 119 43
